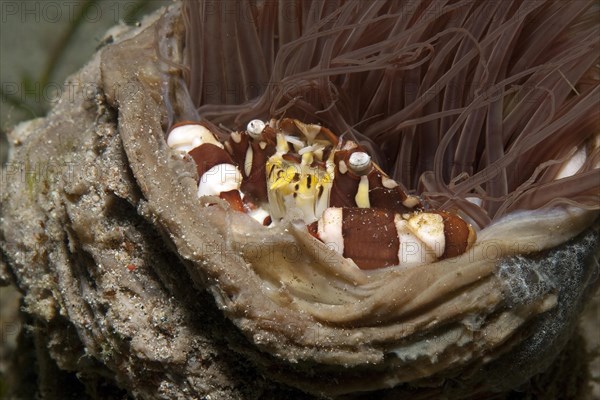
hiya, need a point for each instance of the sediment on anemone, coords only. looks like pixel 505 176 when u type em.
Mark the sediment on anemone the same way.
pixel 474 105
pixel 167 293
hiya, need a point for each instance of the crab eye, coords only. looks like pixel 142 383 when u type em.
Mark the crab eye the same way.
pixel 359 162
pixel 255 128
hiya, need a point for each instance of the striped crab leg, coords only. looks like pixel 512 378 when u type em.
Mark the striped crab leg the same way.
pixel 251 149
pixel 375 238
pixel 218 170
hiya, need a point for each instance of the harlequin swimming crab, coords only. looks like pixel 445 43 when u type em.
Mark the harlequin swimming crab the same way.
pixel 345 199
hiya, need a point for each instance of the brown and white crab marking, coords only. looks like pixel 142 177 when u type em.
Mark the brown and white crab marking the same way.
pixel 343 197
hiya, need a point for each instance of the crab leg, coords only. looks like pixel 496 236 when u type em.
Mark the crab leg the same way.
pixel 375 238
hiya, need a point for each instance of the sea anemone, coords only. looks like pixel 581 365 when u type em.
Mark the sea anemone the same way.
pixel 486 110
pixel 475 105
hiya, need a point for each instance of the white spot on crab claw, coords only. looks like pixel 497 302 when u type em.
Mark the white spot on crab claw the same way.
pixel 429 228
pixel 189 136
pixel 410 201
pixel 359 161
pixel 329 229
pixel 410 250
pixel 236 137
pixel 220 178
pixel 343 168
pixel 388 183
pixel 255 128
pixel 349 145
